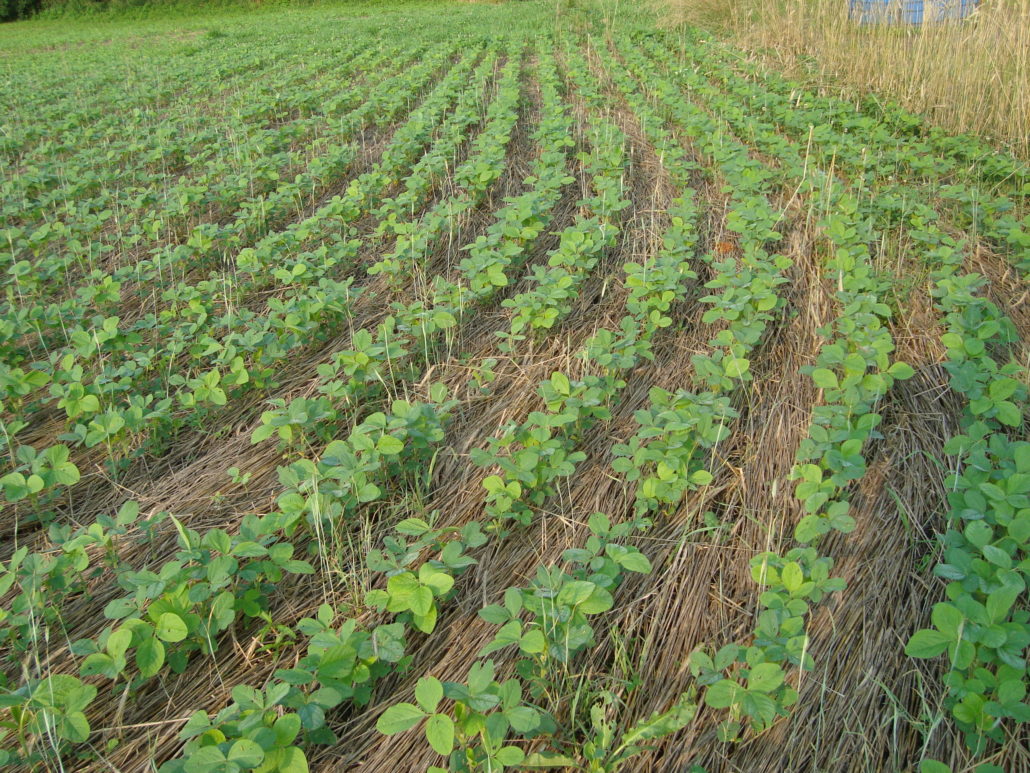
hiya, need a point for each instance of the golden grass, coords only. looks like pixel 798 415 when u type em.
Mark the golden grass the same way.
pixel 968 76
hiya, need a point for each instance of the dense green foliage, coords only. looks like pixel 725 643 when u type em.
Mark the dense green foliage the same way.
pixel 85 11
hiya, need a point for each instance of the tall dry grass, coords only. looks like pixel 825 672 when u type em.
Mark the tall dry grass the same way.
pixel 967 76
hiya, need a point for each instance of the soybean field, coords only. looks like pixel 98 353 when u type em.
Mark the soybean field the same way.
pixel 480 387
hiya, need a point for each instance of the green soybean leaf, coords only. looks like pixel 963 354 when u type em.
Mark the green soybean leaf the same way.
pixel 510 756
pixel 1002 389
pixel 962 654
pixel 999 603
pixel 429 693
pixel 599 601
pixel 723 694
pixel 765 677
pixel 74 727
pixel 523 718
pixel 630 560
pixel 792 576
pixel 561 384
pixel 927 643
pixel 246 753
pixel 399 718
pixel 533 642
pixel 735 367
pixel 150 656
pixel 824 378
pixel 947 619
pixel 388 445
pixel 901 371
pixel 171 628
pixel 440 733
pixel 118 642
pixel 292 760
pixel 1009 413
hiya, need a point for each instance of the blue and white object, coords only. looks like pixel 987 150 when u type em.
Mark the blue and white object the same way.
pixel 909 11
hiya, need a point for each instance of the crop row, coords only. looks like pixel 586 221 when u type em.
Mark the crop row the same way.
pixel 251 343
pixel 163 614
pixel 285 169
pixel 983 625
pixel 834 132
pixel 839 431
pixel 169 301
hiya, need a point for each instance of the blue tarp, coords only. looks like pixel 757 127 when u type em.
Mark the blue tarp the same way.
pixel 909 11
